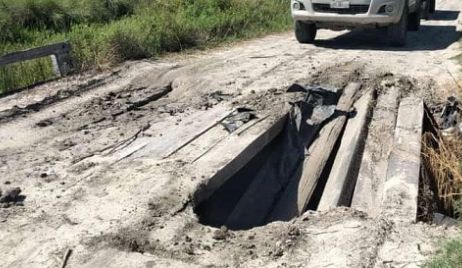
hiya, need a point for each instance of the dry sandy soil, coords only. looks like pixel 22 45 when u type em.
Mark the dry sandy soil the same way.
pixel 104 171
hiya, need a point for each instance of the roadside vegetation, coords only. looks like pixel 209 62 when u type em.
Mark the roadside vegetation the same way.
pixel 445 163
pixel 106 32
pixel 449 257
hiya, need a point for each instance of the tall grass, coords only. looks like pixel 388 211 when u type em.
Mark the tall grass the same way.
pixel 445 163
pixel 106 32
pixel 19 75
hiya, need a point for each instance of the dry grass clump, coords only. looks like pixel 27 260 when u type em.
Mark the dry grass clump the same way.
pixel 443 157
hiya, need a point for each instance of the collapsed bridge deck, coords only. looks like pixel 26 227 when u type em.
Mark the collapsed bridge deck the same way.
pixel 327 154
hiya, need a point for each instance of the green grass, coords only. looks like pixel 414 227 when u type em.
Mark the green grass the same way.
pixel 106 32
pixel 12 76
pixel 449 257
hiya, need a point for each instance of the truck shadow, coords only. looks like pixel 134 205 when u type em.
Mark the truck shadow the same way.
pixel 445 15
pixel 429 37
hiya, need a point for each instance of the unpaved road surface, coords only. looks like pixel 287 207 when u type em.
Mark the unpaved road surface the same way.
pixel 109 164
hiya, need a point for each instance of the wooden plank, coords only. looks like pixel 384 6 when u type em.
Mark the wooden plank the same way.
pixel 224 161
pixel 160 145
pixel 367 195
pixel 55 64
pixel 34 53
pixel 295 198
pixel 402 184
pixel 340 184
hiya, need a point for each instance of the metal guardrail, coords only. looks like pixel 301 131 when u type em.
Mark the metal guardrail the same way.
pixel 59 53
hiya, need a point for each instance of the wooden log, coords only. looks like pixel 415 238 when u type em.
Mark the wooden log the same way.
pixel 402 184
pixel 295 198
pixel 367 195
pixel 223 162
pixel 340 184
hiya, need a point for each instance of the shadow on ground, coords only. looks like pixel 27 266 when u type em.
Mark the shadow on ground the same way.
pixel 445 15
pixel 428 38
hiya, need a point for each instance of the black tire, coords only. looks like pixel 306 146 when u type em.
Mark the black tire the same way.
pixel 426 9
pixel 414 21
pixel 305 32
pixel 432 8
pixel 397 33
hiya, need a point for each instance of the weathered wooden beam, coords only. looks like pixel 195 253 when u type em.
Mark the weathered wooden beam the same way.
pixel 367 195
pixel 60 55
pixel 295 198
pixel 340 184
pixel 228 161
pixel 401 188
pixel 179 136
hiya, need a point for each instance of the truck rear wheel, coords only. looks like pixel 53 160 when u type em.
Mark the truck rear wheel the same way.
pixel 414 20
pixel 426 5
pixel 397 33
pixel 432 6
pixel 305 32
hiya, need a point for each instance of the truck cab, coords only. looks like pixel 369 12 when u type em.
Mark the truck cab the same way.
pixel 398 16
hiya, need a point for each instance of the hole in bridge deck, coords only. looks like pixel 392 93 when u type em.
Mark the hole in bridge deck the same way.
pixel 248 198
pixel 252 195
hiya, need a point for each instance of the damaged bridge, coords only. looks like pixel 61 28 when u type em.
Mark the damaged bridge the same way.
pixel 348 147
pixel 265 153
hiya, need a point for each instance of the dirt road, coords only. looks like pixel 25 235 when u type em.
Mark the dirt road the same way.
pixel 110 165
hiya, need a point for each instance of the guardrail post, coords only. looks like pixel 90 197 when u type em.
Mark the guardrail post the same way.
pixel 63 62
pixel 56 69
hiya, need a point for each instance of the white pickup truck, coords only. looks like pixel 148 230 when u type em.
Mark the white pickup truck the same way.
pixel 398 16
